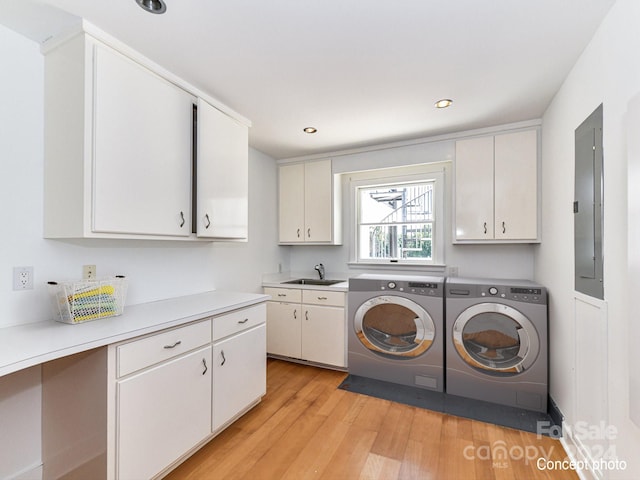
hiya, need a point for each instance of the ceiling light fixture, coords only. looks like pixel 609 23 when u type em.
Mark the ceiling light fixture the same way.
pixel 444 103
pixel 310 130
pixel 153 6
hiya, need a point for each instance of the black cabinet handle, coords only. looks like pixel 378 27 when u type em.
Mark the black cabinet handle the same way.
pixel 182 218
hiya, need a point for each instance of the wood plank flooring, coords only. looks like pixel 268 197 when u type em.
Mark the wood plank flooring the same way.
pixel 306 428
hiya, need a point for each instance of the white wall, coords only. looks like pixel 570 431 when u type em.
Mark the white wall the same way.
pixel 156 269
pixel 608 72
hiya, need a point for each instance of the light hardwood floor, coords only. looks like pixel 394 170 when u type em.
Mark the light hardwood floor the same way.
pixel 306 428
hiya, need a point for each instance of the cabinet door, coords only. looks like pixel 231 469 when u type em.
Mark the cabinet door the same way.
pixel 162 413
pixel 318 202
pixel 291 203
pixel 222 175
pixel 516 186
pixel 142 150
pixel 283 329
pixel 474 189
pixel 239 373
pixel 323 335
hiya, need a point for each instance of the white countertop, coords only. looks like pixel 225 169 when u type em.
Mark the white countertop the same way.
pixel 27 345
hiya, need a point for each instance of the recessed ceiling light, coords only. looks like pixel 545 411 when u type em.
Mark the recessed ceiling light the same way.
pixel 310 130
pixel 153 6
pixel 444 103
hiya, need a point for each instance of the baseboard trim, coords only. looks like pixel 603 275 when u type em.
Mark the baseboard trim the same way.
pixel 577 454
pixel 32 472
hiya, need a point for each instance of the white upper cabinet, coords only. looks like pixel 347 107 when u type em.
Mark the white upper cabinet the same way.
pixel 318 202
pixel 222 173
pixel 120 147
pixel 516 186
pixel 496 188
pixel 474 188
pixel 142 140
pixel 291 203
pixel 309 205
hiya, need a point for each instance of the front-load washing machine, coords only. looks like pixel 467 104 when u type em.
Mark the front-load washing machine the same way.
pixel 496 341
pixel 396 329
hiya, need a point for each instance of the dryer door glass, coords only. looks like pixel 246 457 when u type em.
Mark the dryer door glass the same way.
pixel 394 326
pixel 495 337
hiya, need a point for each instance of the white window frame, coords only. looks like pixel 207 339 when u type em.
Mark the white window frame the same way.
pixel 394 176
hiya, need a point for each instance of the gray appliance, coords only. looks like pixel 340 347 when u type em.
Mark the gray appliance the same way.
pixel 396 329
pixel 496 342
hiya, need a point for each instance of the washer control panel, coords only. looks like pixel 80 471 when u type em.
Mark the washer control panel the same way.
pixel 518 294
pixel 416 288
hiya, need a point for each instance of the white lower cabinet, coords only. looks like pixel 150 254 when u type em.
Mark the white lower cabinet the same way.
pixel 151 401
pixel 239 366
pixel 284 329
pixel 134 410
pixel 162 413
pixel 163 393
pixel 322 335
pixel 307 325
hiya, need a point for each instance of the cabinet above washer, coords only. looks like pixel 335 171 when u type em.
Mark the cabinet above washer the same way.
pixel 496 187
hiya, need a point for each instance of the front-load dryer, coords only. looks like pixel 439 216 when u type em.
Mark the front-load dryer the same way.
pixel 396 329
pixel 496 341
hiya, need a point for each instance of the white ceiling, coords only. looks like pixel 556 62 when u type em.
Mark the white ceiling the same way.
pixel 362 72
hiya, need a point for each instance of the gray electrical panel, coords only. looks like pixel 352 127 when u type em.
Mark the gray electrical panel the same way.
pixel 587 207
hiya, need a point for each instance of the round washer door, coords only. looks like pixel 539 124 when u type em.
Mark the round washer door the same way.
pixel 394 326
pixel 496 338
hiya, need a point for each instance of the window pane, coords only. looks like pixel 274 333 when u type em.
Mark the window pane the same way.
pixel 397 204
pixel 407 241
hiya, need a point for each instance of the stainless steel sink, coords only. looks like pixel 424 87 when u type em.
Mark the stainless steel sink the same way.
pixel 313 281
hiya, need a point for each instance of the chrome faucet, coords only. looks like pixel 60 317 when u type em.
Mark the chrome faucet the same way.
pixel 320 268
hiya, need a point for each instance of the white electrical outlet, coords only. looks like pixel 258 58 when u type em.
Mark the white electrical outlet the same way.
pixel 88 272
pixel 23 278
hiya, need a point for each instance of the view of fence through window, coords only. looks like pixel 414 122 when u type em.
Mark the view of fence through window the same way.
pixel 396 221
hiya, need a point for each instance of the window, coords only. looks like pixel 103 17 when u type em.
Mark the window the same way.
pixel 397 219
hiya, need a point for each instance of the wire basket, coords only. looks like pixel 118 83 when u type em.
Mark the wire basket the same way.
pixel 77 302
